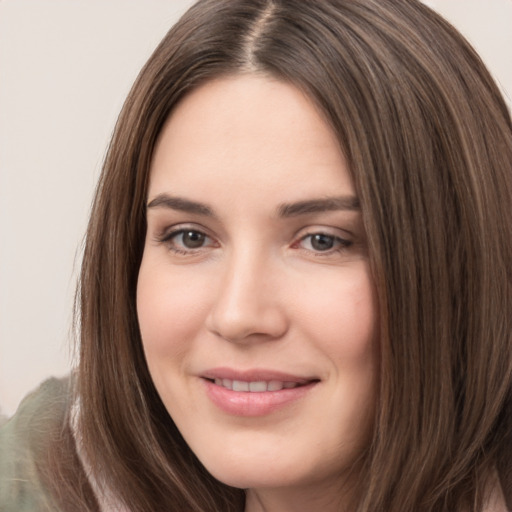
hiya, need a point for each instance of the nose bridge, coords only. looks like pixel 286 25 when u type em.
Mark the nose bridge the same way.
pixel 247 303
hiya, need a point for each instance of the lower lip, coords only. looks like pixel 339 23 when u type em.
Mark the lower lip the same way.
pixel 245 403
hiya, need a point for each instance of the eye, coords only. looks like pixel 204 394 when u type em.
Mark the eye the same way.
pixel 190 239
pixel 323 243
pixel 186 240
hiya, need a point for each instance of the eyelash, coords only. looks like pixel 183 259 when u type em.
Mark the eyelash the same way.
pixel 169 237
pixel 339 244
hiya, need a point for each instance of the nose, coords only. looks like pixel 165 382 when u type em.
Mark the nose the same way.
pixel 247 305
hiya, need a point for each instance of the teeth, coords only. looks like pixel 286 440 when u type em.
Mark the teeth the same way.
pixel 240 385
pixel 275 385
pixel 256 386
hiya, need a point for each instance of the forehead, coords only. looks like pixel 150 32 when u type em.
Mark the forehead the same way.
pixel 248 131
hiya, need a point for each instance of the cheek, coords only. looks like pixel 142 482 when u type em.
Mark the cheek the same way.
pixel 170 310
pixel 343 318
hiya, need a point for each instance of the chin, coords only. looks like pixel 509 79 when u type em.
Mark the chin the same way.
pixel 254 470
pixel 255 479
pixel 259 471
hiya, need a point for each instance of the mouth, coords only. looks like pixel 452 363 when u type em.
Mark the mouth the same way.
pixel 255 393
pixel 257 386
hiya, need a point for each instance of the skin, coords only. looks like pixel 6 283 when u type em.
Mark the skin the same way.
pixel 252 288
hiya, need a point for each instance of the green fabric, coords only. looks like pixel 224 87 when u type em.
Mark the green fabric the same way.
pixel 24 439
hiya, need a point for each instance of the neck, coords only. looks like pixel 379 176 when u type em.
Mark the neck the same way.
pixel 327 497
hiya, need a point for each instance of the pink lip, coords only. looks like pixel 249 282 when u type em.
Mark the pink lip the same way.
pixel 241 403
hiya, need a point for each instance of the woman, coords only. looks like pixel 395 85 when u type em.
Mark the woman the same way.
pixel 295 292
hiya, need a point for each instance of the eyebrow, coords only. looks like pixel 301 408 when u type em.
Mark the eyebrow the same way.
pixel 318 206
pixel 284 210
pixel 180 204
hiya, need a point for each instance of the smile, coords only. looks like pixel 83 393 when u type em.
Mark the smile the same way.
pixel 254 393
pixel 258 386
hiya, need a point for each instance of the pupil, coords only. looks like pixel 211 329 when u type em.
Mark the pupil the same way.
pixel 322 242
pixel 193 239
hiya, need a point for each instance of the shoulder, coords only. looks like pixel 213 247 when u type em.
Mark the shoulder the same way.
pixel 25 441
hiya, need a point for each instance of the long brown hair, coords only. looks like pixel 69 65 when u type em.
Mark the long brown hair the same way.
pixel 428 139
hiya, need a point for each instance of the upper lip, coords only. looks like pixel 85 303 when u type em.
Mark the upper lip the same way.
pixel 254 375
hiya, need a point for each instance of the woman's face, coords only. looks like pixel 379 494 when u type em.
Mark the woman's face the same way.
pixel 255 297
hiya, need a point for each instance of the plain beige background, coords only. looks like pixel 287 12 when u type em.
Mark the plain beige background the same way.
pixel 65 68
